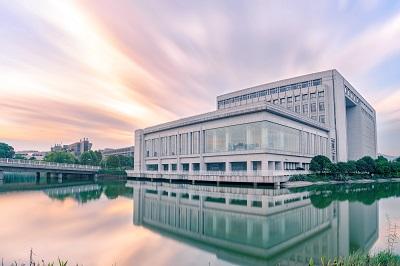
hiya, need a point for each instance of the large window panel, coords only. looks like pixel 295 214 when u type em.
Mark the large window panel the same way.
pixel 253 136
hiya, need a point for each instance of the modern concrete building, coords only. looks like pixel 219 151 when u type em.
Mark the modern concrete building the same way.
pixel 126 151
pixel 270 129
pixel 255 226
pixel 76 148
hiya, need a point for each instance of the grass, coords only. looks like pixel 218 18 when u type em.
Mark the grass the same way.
pixel 383 258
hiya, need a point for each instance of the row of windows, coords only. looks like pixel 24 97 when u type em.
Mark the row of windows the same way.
pixel 251 136
pixel 271 91
pixel 189 143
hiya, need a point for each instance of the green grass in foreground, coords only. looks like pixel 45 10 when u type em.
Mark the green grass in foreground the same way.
pixel 382 258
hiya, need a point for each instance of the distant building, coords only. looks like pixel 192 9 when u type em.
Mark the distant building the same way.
pixel 76 148
pixel 38 155
pixel 127 151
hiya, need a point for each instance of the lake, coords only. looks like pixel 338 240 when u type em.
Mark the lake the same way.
pixel 143 223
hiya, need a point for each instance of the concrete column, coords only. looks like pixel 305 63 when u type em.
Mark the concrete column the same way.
pixel 60 177
pixel 228 168
pixel 249 167
pixel 1 177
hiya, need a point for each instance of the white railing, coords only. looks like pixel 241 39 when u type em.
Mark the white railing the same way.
pixel 40 164
pixel 261 173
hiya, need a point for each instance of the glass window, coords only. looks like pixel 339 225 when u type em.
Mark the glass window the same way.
pixel 196 166
pixel 289 99
pixel 313 107
pixel 275 101
pixel 305 97
pixel 297 108
pixel 321 106
pixel 173 167
pixel 185 167
pixel 312 95
pixel 314 117
pixel 283 100
pixel 252 136
pixel 322 119
pixel 165 167
pixel 297 98
pixel 321 94
pixel 152 167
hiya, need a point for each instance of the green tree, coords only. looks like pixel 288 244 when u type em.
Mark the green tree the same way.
pixel 118 161
pixel 6 151
pixel 382 166
pixel 343 169
pixel 90 158
pixel 320 164
pixel 60 157
pixel 351 167
pixel 19 157
pixel 366 165
pixel 395 167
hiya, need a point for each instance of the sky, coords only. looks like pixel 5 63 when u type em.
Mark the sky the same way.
pixel 101 69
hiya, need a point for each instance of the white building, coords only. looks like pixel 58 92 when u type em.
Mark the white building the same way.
pixel 272 127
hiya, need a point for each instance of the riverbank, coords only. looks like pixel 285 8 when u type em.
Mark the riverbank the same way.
pixel 297 184
pixel 358 258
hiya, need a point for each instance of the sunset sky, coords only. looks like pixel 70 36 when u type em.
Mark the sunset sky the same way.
pixel 101 69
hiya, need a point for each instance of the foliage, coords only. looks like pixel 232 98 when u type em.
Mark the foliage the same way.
pixel 6 151
pixel 366 165
pixel 19 157
pixel 359 258
pixel 341 171
pixel 90 158
pixel 118 161
pixel 320 164
pixel 60 157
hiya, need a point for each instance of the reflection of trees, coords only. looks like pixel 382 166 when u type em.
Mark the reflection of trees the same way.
pixel 111 190
pixel 322 196
pixel 114 190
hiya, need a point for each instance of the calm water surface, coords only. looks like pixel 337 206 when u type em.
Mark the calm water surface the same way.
pixel 138 223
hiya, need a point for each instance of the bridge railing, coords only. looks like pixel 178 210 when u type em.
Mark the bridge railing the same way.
pixel 48 164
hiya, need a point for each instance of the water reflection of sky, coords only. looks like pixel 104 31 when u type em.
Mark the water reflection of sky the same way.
pixel 97 233
pixel 388 208
pixel 95 227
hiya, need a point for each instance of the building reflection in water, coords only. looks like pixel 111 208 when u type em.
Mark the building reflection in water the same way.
pixel 254 226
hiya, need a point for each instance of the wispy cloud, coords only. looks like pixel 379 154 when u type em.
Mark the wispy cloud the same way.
pixel 74 69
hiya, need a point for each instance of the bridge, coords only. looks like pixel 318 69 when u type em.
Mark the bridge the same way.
pixel 47 168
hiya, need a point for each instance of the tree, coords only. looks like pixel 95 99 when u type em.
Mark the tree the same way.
pixel 119 161
pixel 90 158
pixel 366 165
pixel 60 157
pixel 351 167
pixel 395 167
pixel 320 164
pixel 6 151
pixel 19 157
pixel 382 166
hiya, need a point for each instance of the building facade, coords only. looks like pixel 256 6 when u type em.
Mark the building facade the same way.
pixel 275 126
pixel 76 148
pixel 126 151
